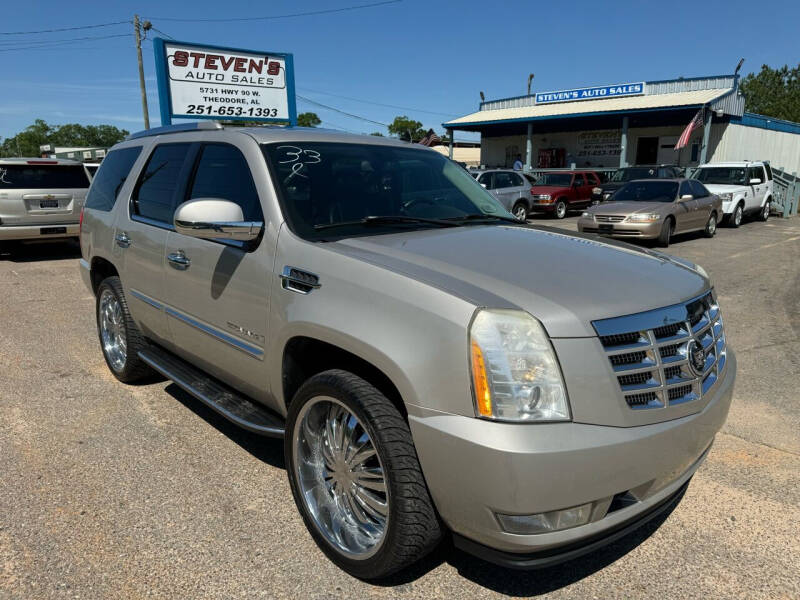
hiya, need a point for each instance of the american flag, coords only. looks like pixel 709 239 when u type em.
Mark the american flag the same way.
pixel 430 139
pixel 687 133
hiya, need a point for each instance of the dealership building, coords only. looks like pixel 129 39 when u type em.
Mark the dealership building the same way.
pixel 631 123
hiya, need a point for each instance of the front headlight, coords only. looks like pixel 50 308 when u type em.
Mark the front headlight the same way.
pixel 644 217
pixel 587 215
pixel 726 197
pixel 515 373
pixel 597 191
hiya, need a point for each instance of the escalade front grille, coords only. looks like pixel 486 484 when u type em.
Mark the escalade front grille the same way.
pixel 666 356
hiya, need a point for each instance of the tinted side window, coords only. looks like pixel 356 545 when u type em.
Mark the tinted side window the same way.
pixel 486 179
pixel 769 171
pixel 578 179
pixel 155 191
pixel 698 189
pixel 502 180
pixel 755 173
pixel 685 189
pixel 516 179
pixel 223 173
pixel 109 178
pixel 592 179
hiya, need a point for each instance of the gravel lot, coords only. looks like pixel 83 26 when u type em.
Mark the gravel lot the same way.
pixel 112 491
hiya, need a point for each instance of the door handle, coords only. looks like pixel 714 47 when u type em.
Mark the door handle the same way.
pixel 178 260
pixel 122 240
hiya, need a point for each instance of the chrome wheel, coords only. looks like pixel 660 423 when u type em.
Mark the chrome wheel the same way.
pixel 112 330
pixel 340 477
pixel 737 216
pixel 561 210
pixel 521 212
pixel 765 213
pixel 711 226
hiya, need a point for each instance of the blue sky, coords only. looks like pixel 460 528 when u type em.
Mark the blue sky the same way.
pixel 431 57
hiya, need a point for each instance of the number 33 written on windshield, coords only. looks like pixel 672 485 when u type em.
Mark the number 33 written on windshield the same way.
pixel 299 158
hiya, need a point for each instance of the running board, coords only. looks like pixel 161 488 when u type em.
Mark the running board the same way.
pixel 232 405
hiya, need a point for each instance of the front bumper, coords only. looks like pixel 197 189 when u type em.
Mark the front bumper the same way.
pixel 476 469
pixel 644 231
pixel 39 232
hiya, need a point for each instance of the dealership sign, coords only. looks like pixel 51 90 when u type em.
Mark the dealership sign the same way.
pixel 591 93
pixel 197 81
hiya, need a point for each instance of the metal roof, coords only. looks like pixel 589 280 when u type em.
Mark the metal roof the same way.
pixel 623 104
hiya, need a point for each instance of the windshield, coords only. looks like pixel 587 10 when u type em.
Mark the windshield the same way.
pixel 647 191
pixel 723 175
pixel 42 177
pixel 338 189
pixel 556 179
pixel 629 174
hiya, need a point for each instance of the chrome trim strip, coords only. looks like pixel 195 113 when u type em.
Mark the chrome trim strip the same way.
pixel 146 299
pixel 651 319
pixel 153 222
pixel 251 350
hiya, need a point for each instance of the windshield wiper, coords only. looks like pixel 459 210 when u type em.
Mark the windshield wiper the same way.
pixel 386 220
pixel 485 217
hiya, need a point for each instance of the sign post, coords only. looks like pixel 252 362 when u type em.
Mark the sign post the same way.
pixel 198 81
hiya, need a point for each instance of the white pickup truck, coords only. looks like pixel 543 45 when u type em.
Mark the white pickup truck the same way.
pixel 745 188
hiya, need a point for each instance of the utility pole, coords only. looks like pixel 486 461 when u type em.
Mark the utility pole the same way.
pixel 138 33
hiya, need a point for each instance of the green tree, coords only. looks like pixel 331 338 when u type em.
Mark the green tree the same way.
pixel 308 119
pixel 377 133
pixel 404 127
pixel 773 92
pixel 27 142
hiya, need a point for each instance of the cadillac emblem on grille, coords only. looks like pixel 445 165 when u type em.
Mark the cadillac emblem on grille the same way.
pixel 697 357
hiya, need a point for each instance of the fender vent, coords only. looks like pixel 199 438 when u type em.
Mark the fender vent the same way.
pixel 299 281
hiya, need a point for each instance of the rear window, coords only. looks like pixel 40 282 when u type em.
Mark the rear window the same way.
pixel 37 177
pixel 110 177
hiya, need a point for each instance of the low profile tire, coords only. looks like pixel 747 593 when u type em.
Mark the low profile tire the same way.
pixel 520 211
pixel 711 226
pixel 560 210
pixel 120 339
pixel 356 478
pixel 666 234
pixel 764 214
pixel 737 216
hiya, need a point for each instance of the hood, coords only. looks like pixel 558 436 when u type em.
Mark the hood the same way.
pixel 724 188
pixel 627 208
pixel 548 189
pixel 565 281
pixel 611 186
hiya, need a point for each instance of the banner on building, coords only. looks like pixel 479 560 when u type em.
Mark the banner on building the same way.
pixel 199 81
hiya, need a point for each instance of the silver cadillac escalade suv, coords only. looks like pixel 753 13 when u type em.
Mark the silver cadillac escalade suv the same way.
pixel 354 296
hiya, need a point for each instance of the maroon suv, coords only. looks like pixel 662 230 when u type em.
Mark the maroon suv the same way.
pixel 560 191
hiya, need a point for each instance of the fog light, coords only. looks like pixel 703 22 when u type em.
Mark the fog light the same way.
pixel 555 520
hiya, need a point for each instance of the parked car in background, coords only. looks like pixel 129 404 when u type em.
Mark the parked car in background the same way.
pixel 655 209
pixel 511 188
pixel 354 295
pixel 41 198
pixel 625 174
pixel 744 187
pixel 91 168
pixel 559 192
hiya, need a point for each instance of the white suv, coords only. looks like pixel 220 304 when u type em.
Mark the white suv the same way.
pixel 745 188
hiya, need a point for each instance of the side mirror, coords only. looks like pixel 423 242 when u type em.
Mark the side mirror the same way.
pixel 686 198
pixel 483 185
pixel 213 218
pixel 755 181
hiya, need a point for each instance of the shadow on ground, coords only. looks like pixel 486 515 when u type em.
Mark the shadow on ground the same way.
pixel 499 579
pixel 21 252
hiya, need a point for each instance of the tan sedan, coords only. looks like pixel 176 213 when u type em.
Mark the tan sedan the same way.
pixel 655 209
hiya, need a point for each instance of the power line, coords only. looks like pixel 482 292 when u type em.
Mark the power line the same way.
pixel 162 32
pixel 65 28
pixel 287 16
pixel 57 43
pixel 432 112
pixel 321 105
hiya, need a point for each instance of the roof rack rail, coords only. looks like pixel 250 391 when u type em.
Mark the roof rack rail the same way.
pixel 181 127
